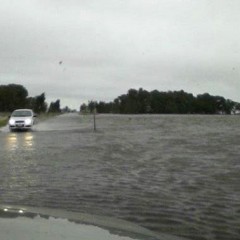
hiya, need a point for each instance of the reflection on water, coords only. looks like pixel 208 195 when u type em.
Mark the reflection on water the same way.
pixel 19 171
pixel 16 141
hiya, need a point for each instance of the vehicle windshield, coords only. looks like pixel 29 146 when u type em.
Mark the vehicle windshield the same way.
pixel 128 109
pixel 22 114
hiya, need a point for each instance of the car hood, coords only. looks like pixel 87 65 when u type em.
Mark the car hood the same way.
pixel 17 222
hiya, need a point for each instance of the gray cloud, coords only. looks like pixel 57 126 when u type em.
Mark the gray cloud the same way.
pixel 109 46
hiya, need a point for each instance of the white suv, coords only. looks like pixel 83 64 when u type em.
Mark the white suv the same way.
pixel 21 119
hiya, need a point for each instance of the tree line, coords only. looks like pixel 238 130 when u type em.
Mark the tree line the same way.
pixel 14 96
pixel 155 102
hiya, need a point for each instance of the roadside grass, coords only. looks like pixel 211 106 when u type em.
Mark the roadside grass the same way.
pixel 3 119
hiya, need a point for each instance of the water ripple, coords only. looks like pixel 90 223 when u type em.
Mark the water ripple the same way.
pixel 172 174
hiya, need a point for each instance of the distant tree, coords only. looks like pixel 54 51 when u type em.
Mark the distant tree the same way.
pixel 92 105
pixel 205 104
pixel 179 102
pixel 37 103
pixel 133 105
pixel 229 106
pixel 55 107
pixel 12 96
pixel 30 102
pixel 184 102
pixel 66 109
pixel 122 100
pixel 40 105
pixel 143 101
pixel 157 100
pixel 236 108
pixel 102 107
pixel 83 108
pixel 116 106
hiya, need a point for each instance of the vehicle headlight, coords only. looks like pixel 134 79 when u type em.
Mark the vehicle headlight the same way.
pixel 11 121
pixel 28 121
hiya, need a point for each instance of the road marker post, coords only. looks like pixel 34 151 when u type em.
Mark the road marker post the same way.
pixel 94 119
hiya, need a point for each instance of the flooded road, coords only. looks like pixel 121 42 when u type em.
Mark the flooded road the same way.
pixel 169 173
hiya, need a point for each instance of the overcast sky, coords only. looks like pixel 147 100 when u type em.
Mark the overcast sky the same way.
pixel 78 50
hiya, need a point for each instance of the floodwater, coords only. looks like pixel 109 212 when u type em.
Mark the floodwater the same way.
pixel 174 174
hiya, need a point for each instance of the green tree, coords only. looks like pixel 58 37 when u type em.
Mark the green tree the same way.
pixel 37 103
pixel 179 102
pixel 40 105
pixel 83 108
pixel 55 107
pixel 92 105
pixel 12 96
